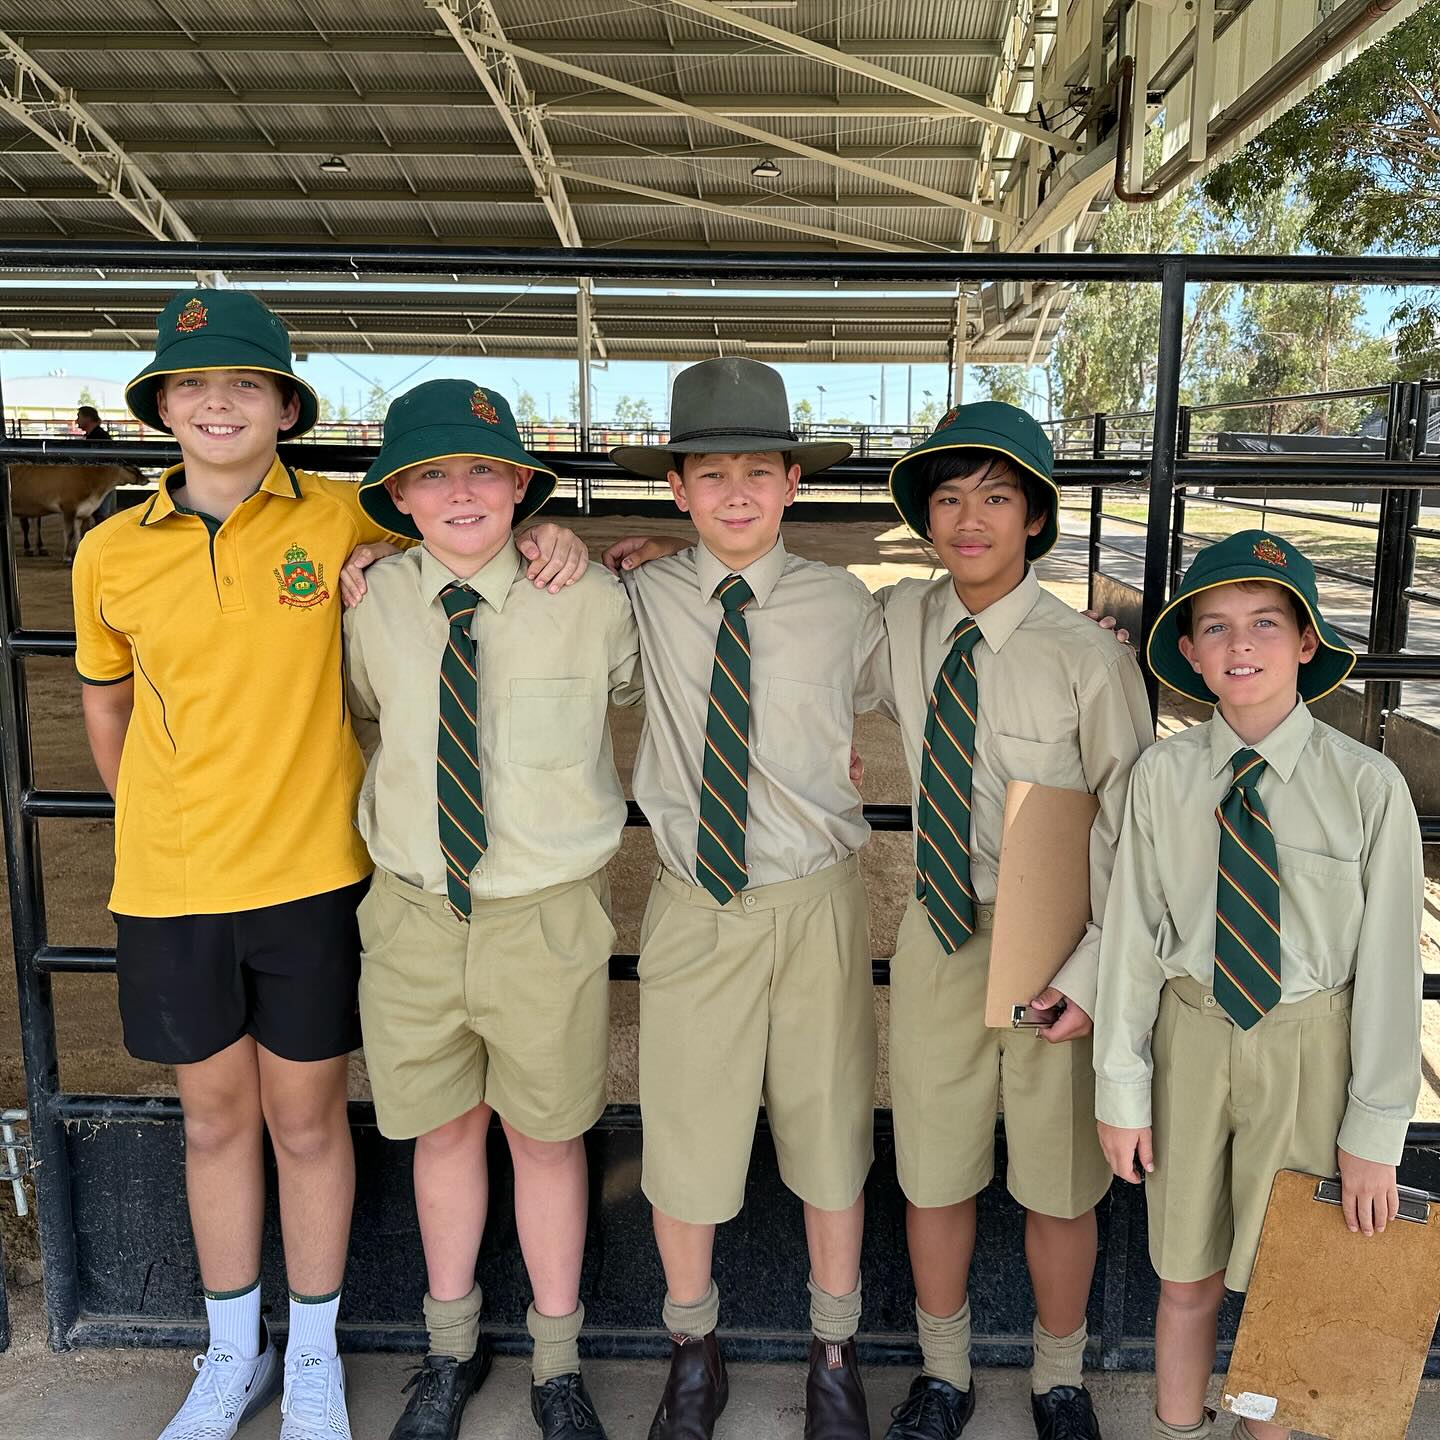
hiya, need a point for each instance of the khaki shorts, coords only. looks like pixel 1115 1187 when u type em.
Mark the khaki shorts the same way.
pixel 767 997
pixel 511 1009
pixel 947 1073
pixel 1230 1107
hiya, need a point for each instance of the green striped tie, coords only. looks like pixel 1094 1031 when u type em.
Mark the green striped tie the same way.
pixel 461 811
pixel 720 847
pixel 942 821
pixel 1247 899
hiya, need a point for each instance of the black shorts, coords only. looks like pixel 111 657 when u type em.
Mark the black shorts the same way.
pixel 288 975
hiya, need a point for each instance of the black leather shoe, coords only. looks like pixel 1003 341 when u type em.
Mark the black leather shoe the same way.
pixel 695 1392
pixel 933 1410
pixel 1065 1413
pixel 834 1395
pixel 564 1411
pixel 442 1385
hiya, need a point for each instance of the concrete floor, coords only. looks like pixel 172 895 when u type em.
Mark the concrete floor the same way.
pixel 91 1395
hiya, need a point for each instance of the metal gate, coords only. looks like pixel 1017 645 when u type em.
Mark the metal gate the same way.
pixel 107 1170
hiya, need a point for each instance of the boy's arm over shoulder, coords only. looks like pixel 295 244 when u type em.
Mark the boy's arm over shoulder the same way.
pixel 874 688
pixel 1386 1005
pixel 1130 976
pixel 1114 728
pixel 598 587
pixel 103 656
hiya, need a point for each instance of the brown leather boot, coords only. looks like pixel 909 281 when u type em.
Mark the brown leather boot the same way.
pixel 834 1396
pixel 695 1392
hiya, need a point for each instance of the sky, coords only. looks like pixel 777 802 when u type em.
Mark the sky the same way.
pixel 348 379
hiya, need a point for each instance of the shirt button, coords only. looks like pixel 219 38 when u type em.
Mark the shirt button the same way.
pixel 1209 1002
pixel 749 902
pixel 228 580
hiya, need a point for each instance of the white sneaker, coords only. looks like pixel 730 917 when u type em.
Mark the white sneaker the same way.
pixel 228 1390
pixel 314 1403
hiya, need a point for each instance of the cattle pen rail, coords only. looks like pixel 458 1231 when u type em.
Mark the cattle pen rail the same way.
pixel 115 1248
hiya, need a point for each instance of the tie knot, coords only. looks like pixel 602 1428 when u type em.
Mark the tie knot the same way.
pixel 459 602
pixel 734 593
pixel 1246 768
pixel 966 635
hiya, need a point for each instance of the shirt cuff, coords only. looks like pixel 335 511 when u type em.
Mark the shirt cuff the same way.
pixel 1369 1135
pixel 1126 1105
pixel 1079 977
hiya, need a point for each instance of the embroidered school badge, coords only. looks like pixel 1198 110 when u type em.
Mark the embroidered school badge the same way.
pixel 301 580
pixel 1270 553
pixel 949 419
pixel 193 316
pixel 483 409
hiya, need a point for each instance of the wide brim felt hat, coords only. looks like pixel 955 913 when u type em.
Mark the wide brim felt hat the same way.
pixel 987 425
pixel 218 330
pixel 1248 555
pixel 730 406
pixel 440 420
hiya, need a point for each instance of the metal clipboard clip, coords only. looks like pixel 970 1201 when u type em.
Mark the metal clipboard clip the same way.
pixel 1414 1204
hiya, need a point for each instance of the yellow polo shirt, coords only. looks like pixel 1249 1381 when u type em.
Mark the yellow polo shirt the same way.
pixel 240 773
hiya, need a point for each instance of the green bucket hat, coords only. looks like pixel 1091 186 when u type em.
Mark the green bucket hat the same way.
pixel 439 419
pixel 730 406
pixel 988 425
pixel 1248 555
pixel 218 330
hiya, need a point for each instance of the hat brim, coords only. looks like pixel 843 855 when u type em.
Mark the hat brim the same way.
pixel 1325 671
pixel 655 462
pixel 219 353
pixel 445 442
pixel 905 486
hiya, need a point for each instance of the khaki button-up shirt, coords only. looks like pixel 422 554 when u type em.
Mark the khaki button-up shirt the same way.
pixel 554 809
pixel 1351 890
pixel 818 659
pixel 1061 703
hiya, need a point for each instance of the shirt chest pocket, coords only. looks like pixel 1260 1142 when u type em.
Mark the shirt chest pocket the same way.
pixel 1042 762
pixel 551 727
pixel 802 725
pixel 1321 902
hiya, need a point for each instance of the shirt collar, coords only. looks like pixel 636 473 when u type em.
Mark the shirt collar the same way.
pixel 491 582
pixel 278 481
pixel 1000 620
pixel 760 575
pixel 1280 749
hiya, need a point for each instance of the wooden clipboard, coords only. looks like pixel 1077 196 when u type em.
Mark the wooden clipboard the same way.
pixel 1042 896
pixel 1336 1326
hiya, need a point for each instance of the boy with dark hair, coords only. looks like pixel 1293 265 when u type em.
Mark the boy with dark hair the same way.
pixel 995 680
pixel 1260 980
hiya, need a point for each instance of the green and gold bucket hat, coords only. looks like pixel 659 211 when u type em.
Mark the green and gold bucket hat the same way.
pixel 218 330
pixel 437 421
pixel 1248 555
pixel 987 425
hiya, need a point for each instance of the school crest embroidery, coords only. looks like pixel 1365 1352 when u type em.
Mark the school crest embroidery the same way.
pixel 193 316
pixel 301 580
pixel 949 419
pixel 483 409
pixel 1270 553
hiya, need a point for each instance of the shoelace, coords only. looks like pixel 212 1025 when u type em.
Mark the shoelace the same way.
pixel 308 1396
pixel 430 1378
pixel 210 1386
pixel 914 1410
pixel 567 1394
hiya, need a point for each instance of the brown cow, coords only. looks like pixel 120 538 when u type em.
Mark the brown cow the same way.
pixel 74 492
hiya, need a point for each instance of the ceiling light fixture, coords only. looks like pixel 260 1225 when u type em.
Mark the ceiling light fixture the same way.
pixel 334 165
pixel 766 170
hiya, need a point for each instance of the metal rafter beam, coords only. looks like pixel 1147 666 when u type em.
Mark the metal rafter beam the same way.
pixel 510 93
pixel 30 95
pixel 856 65
pixel 651 101
pixel 736 211
pixel 308 42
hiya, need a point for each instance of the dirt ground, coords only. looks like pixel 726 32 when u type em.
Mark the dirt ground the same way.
pixel 77 855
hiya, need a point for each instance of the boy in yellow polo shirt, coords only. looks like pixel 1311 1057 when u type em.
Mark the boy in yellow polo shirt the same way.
pixel 208 629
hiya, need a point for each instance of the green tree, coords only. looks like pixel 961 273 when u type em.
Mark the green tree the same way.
pixel 633 413
pixel 1003 382
pixel 376 403
pixel 326 408
pixel 929 414
pixel 526 410
pixel 803 413
pixel 1363 151
pixel 86 398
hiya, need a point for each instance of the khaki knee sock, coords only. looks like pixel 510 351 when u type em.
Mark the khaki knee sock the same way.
pixel 698 1318
pixel 945 1345
pixel 557 1343
pixel 1159 1430
pixel 1059 1359
pixel 833 1318
pixel 454 1325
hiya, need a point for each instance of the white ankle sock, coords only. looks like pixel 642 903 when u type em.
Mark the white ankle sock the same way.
pixel 234 1317
pixel 312 1322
